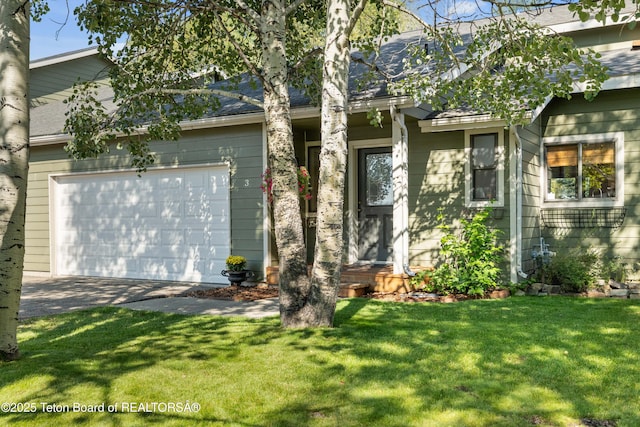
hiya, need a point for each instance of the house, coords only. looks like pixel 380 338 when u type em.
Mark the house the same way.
pixel 202 200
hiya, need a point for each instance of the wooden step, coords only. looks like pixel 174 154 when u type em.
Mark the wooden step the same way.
pixel 350 290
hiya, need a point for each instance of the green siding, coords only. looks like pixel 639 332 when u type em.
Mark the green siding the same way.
pixel 613 111
pixel 240 147
pixel 605 36
pixel 437 180
pixel 54 82
pixel 530 139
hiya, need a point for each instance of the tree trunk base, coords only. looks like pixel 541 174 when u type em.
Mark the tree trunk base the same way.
pixel 9 357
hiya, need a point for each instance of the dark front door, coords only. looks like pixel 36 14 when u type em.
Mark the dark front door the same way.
pixel 375 204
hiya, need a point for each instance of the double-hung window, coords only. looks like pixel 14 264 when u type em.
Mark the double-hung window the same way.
pixel 584 170
pixel 484 167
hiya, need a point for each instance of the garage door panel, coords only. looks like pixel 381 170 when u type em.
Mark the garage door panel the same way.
pixel 167 225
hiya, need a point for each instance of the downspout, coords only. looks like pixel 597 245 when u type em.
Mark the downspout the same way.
pixel 518 208
pixel 404 232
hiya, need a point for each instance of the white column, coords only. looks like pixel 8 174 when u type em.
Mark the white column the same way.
pixel 400 153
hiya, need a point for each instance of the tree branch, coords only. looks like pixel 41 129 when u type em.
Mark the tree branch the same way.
pixel 255 16
pixel 407 12
pixel 308 56
pixel 373 67
pixel 250 65
pixel 293 6
pixel 218 92
pixel 353 20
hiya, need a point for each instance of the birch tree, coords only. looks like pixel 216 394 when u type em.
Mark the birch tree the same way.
pixel 167 43
pixel 342 16
pixel 14 157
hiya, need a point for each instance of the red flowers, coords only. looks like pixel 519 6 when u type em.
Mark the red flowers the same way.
pixel 304 183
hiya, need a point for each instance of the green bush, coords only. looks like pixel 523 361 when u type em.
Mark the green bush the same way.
pixel 613 268
pixel 470 259
pixel 573 271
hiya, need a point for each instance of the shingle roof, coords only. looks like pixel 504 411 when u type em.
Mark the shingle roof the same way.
pixel 49 119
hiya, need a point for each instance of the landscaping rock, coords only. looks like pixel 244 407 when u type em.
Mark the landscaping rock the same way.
pixel 619 293
pixel 617 285
pixel 499 293
pixel 596 294
pixel 534 288
pixel 551 289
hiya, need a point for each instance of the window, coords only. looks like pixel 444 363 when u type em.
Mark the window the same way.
pixel 584 169
pixel 485 170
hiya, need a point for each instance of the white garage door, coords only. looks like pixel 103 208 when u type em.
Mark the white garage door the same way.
pixel 169 224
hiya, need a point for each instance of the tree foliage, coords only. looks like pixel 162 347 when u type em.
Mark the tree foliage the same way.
pixel 169 55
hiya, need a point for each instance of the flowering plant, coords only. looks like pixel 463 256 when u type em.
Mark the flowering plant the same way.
pixel 236 263
pixel 304 183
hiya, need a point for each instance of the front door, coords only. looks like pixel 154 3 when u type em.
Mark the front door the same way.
pixel 375 205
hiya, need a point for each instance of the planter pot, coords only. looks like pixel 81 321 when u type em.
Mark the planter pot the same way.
pixel 237 277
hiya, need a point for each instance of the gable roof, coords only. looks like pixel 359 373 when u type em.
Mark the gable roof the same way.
pixel 63 57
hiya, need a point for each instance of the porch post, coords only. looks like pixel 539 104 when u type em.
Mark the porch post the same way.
pixel 266 217
pixel 514 185
pixel 400 153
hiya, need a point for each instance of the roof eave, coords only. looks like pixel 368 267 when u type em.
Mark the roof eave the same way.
pixel 298 113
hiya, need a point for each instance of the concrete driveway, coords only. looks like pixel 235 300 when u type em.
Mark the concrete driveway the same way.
pixel 43 296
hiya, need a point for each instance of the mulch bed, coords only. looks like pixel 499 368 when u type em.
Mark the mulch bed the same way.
pixel 252 293
pixel 428 297
pixel 237 293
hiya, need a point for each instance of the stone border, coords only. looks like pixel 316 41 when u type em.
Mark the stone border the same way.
pixel 612 289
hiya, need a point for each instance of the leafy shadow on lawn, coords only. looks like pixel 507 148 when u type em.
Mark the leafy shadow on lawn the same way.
pixel 86 356
pixel 519 361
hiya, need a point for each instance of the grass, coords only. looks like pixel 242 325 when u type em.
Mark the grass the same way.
pixel 514 362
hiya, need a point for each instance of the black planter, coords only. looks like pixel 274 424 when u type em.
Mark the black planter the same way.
pixel 237 277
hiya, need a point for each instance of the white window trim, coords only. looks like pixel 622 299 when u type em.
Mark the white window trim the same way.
pixel 499 202
pixel 594 138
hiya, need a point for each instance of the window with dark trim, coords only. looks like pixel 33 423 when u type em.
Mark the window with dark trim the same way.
pixel 484 167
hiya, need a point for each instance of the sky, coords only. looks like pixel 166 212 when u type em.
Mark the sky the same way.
pixel 45 42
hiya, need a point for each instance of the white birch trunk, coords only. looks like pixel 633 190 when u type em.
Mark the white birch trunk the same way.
pixel 289 235
pixel 333 164
pixel 14 157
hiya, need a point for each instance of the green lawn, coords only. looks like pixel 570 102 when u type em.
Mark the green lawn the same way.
pixel 520 361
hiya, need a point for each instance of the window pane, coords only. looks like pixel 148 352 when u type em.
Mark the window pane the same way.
pixel 562 176
pixel 598 170
pixel 484 184
pixel 379 179
pixel 483 151
pixel 563 155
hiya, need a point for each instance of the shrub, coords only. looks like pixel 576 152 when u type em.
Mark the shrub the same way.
pixel 613 268
pixel 572 270
pixel 577 270
pixel 470 259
